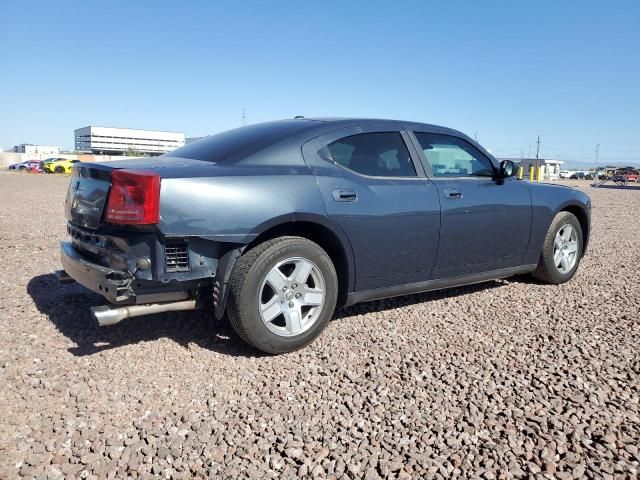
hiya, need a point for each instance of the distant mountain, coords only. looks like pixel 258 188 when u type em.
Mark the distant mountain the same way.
pixel 578 165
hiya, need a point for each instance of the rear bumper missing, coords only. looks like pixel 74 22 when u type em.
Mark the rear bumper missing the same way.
pixel 117 286
pixel 111 284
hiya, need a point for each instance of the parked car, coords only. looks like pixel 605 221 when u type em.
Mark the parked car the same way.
pixel 632 174
pixel 37 167
pixel 58 165
pixel 24 166
pixel 277 223
pixel 577 176
pixel 564 174
pixel 626 175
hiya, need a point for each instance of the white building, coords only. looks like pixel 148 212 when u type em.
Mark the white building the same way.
pixel 31 149
pixel 114 141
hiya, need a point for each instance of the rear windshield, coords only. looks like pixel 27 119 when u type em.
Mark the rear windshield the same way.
pixel 234 145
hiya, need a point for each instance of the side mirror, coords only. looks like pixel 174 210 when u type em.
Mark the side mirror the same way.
pixel 507 169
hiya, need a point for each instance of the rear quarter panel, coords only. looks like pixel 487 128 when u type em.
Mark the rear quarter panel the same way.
pixel 547 201
pixel 239 203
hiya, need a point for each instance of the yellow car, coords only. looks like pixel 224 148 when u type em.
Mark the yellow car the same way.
pixel 58 165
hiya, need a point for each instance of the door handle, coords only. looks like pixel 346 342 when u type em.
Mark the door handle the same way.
pixel 345 195
pixel 452 193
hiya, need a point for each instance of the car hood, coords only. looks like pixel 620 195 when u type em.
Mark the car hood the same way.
pixel 544 185
pixel 563 194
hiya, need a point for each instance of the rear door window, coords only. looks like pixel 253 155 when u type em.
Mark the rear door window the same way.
pixel 380 154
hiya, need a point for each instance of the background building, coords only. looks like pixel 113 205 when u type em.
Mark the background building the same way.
pixel 119 141
pixel 31 149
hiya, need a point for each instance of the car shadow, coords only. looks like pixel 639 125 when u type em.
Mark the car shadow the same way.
pixel 67 307
pixel 614 186
pixel 409 300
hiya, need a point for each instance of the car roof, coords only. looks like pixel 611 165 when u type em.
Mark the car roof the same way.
pixel 364 121
pixel 244 142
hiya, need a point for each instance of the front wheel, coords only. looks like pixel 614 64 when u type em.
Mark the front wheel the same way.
pixel 562 250
pixel 59 169
pixel 282 294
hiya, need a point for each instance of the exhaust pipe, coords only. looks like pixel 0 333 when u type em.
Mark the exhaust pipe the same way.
pixel 109 315
pixel 63 277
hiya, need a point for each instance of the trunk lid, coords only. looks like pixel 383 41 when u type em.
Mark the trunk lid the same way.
pixel 90 183
pixel 87 194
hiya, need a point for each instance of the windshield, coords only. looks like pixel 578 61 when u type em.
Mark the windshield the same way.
pixel 234 145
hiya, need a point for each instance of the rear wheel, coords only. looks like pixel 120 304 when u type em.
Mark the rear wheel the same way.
pixel 562 250
pixel 282 294
pixel 59 169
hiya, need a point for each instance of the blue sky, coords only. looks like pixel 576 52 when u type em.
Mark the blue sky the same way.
pixel 508 70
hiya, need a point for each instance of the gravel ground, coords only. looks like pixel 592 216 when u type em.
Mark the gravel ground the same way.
pixel 500 380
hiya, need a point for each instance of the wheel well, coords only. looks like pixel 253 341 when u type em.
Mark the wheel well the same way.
pixel 321 235
pixel 582 217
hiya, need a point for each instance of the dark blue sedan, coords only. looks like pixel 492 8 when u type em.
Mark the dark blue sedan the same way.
pixel 277 223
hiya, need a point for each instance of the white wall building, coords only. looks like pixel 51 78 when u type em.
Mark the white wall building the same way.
pixel 30 149
pixel 113 141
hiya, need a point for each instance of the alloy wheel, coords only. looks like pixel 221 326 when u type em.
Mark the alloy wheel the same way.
pixel 565 248
pixel 292 296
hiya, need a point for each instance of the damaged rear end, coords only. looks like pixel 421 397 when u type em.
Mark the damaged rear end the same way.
pixel 117 249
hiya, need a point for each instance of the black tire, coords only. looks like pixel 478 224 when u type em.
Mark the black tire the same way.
pixel 246 282
pixel 22 169
pixel 546 271
pixel 59 169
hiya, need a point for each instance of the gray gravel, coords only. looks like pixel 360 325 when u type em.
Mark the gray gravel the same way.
pixel 505 379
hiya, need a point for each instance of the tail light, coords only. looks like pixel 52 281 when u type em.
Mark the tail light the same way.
pixel 134 198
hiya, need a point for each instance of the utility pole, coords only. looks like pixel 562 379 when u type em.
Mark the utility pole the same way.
pixel 537 172
pixel 596 176
pixel 244 117
pixel 475 135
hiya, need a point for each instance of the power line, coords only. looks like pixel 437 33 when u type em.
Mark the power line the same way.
pixel 537 157
pixel 589 150
pixel 568 149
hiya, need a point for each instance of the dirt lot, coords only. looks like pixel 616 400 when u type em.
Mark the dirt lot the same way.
pixel 499 380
